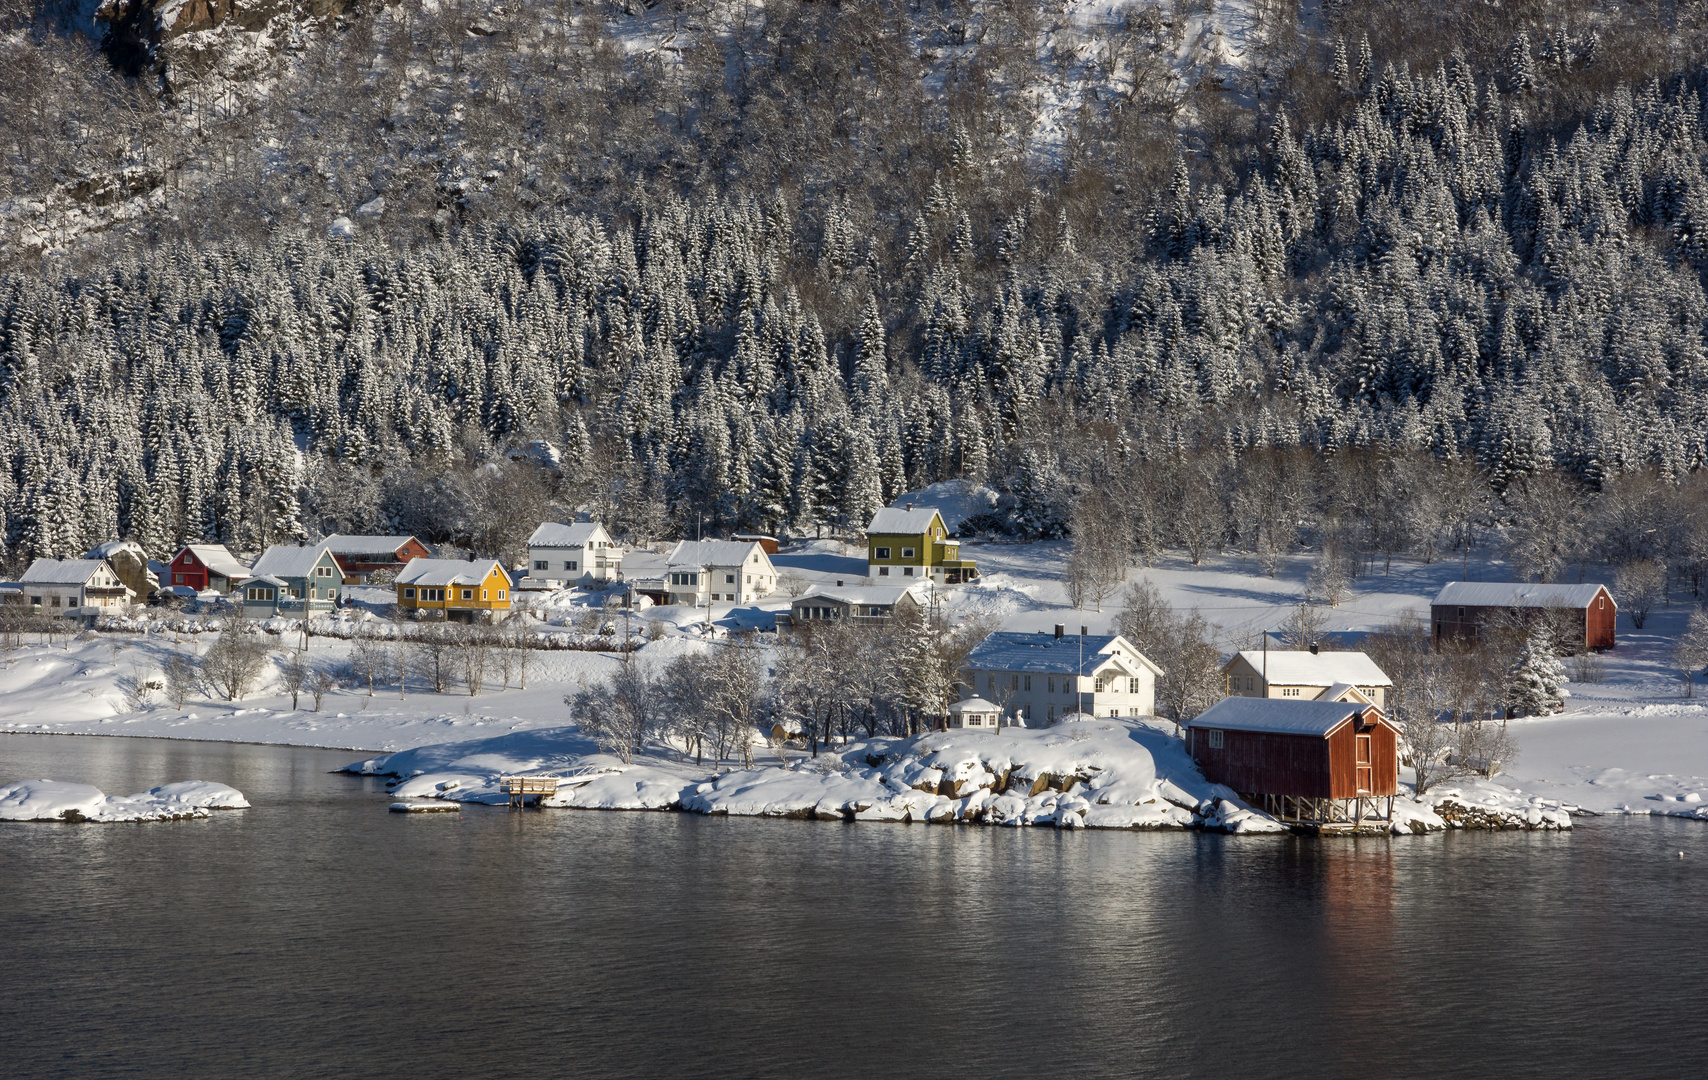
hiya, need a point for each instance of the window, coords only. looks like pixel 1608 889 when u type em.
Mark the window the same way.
pixel 177 579
pixel 1601 603
pixel 502 594
pixel 729 579
pixel 483 594
pixel 1461 614
pixel 907 571
pixel 1014 682
pixel 1132 686
pixel 36 601
pixel 1290 691
pixel 881 553
pixel 907 553
pixel 1052 714
pixel 542 564
pixel 468 594
pixel 1102 684
pixel 569 564
pixel 296 594
pixel 883 571
pixel 409 594
pixel 323 571
pixel 1052 690
pixel 1215 738
pixel 1028 684
pixel 314 594
pixel 55 600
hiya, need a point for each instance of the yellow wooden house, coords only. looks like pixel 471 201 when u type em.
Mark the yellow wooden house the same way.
pixel 909 545
pixel 456 588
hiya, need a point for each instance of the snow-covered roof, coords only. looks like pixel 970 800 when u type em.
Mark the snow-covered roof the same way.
pixel 348 544
pixel 555 534
pixel 1281 716
pixel 1297 667
pixel 445 572
pixel 1520 594
pixel 288 560
pixel 712 552
pixel 881 595
pixel 973 704
pixel 1341 691
pixel 61 571
pixel 900 520
pixel 1010 651
pixel 218 559
pixel 263 579
pixel 112 547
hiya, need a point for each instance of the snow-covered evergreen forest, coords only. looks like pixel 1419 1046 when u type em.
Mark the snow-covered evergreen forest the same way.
pixel 1356 283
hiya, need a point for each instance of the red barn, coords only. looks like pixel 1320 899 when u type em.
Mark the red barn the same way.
pixel 206 566
pixel 359 556
pixel 1313 762
pixel 1464 608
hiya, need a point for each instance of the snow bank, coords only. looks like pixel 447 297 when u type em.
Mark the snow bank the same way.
pixel 55 800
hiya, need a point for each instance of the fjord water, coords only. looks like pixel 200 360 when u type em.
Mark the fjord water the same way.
pixel 318 935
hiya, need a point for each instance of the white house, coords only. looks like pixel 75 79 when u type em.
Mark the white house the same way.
pixel 975 712
pixel 581 552
pixel 1306 676
pixel 1041 677
pixel 718 571
pixel 74 587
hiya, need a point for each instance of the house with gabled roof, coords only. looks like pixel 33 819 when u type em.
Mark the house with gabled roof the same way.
pixel 861 604
pixel 1466 609
pixel 1039 678
pixel 1306 675
pixel 566 554
pixel 73 588
pixel 904 545
pixel 201 567
pixel 359 558
pixel 699 572
pixel 295 581
pixel 460 589
pixel 1324 764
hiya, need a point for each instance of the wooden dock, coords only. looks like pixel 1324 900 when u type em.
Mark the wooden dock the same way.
pixel 520 787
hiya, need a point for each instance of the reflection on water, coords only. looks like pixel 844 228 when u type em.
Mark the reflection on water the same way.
pixel 318 935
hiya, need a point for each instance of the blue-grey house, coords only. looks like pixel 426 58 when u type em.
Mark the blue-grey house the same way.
pixel 293 581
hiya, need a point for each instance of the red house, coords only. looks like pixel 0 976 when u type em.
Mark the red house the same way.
pixel 359 556
pixel 1320 763
pixel 206 566
pixel 1464 608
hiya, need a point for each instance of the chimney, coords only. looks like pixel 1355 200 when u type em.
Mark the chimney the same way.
pixel 1059 630
pixel 1082 632
pixel 910 506
pixel 1313 648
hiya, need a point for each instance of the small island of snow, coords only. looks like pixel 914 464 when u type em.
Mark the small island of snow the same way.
pixel 57 800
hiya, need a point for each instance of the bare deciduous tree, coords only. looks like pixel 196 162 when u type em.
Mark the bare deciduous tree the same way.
pixel 1690 652
pixel 321 683
pixel 620 714
pixel 294 674
pixel 234 661
pixel 1640 585
pixel 179 674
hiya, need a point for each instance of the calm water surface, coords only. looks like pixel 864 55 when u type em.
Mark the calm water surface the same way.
pixel 319 935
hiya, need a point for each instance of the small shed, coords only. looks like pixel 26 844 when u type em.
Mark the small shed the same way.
pixel 1464 609
pixel 975 712
pixel 768 543
pixel 1310 762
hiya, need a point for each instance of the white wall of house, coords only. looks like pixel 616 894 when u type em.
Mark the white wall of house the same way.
pixel 1113 689
pixel 752 579
pixel 568 564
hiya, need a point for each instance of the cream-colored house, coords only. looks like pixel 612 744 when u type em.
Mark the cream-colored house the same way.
pixel 578 553
pixel 1041 677
pixel 79 588
pixel 1302 675
pixel 697 572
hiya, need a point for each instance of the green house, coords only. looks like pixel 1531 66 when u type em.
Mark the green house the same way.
pixel 906 545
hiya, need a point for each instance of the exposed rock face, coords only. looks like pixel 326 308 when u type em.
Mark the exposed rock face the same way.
pixel 138 29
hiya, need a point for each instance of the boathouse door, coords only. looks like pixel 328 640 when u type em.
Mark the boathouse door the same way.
pixel 1363 763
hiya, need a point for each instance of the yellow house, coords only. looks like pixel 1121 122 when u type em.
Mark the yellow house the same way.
pixel 457 588
pixel 909 543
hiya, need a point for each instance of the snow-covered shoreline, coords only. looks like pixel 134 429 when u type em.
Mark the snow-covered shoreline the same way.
pixel 1099 773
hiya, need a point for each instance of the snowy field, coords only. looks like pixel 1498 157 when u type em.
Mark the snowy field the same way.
pixel 1627 743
